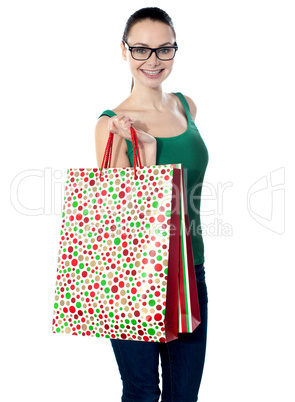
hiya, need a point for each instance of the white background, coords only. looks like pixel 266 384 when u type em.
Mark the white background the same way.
pixel 61 66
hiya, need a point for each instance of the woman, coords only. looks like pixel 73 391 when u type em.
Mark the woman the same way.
pixel 166 132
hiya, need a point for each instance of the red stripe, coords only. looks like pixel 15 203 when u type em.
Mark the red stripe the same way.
pixel 171 323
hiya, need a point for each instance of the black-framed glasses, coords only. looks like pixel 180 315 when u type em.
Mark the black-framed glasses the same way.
pixel 143 53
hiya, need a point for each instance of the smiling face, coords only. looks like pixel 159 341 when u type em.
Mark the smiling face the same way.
pixel 150 34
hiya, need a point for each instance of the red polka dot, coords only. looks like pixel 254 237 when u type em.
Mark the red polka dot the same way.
pixel 158 267
pixel 161 218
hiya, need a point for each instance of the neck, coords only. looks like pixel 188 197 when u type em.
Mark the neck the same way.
pixel 149 98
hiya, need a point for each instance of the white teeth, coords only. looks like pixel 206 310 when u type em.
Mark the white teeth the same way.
pixel 152 72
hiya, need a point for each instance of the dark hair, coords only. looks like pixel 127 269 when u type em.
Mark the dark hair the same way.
pixel 151 13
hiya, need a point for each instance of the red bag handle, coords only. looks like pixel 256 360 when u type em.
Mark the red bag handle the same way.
pixel 106 162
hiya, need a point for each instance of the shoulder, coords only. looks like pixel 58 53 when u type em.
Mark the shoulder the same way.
pixel 192 106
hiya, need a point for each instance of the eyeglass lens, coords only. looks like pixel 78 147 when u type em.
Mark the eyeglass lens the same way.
pixel 142 53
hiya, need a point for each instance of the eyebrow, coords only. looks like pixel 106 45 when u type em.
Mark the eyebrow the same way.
pixel 144 44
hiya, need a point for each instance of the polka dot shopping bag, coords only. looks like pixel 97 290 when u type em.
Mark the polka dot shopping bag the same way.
pixel 125 263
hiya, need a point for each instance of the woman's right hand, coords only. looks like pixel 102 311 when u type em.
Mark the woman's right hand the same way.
pixel 120 125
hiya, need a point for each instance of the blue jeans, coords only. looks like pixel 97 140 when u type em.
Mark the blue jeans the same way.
pixel 182 361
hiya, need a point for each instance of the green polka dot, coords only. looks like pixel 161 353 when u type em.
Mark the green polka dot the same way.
pixel 151 331
pixel 152 303
pixel 68 295
pixel 117 241
pixel 55 305
pixel 155 204
pixel 85 212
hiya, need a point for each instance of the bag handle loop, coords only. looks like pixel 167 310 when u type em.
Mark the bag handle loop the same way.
pixel 106 162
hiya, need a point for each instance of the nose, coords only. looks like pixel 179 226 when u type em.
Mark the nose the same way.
pixel 153 59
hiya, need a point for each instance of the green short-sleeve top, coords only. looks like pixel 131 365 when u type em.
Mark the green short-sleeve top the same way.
pixel 189 149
